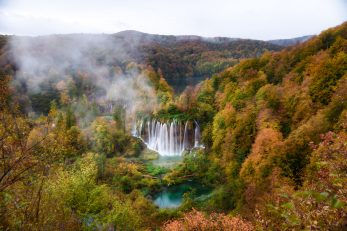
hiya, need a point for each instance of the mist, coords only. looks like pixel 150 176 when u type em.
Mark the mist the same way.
pixel 110 76
pixel 265 20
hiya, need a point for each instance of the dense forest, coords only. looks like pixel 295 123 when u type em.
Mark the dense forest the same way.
pixel 180 59
pixel 273 126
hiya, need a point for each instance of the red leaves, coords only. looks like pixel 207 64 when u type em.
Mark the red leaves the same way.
pixel 196 220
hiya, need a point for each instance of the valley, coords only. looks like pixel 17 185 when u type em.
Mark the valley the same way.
pixel 135 131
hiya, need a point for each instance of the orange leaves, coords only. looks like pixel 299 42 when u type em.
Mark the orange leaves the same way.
pixel 258 164
pixel 320 204
pixel 196 220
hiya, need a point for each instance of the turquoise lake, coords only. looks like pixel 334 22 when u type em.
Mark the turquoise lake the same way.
pixel 172 196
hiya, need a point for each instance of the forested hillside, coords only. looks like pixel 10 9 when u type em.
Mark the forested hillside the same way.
pixel 290 42
pixel 273 129
pixel 181 59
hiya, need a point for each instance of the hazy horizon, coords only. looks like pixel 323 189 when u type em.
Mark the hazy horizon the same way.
pixel 251 19
pixel 204 37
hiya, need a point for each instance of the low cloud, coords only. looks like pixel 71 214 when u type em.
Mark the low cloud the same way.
pixel 98 59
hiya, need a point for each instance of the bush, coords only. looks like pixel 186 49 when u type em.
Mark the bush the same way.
pixel 196 220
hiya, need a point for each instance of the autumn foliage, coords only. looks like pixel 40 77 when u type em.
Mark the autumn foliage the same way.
pixel 274 130
pixel 196 220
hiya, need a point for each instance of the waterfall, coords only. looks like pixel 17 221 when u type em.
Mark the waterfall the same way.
pixel 172 138
pixel 197 135
pixel 168 138
pixel 185 135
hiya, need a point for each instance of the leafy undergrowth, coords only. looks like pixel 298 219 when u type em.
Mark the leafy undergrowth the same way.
pixel 196 220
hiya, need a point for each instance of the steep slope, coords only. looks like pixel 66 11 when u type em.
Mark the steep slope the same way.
pixel 261 119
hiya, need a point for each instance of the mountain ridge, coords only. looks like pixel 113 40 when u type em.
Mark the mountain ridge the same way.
pixel 183 60
pixel 291 41
pixel 188 37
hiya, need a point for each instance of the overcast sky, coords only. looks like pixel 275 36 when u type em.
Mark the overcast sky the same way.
pixel 257 19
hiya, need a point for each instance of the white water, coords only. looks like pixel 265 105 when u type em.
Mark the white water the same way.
pixel 197 135
pixel 169 138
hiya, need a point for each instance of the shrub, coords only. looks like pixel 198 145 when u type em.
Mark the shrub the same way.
pixel 196 220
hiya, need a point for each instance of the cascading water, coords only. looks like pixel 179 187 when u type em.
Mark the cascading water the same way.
pixel 197 135
pixel 168 138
